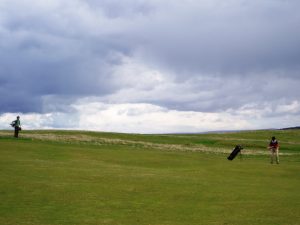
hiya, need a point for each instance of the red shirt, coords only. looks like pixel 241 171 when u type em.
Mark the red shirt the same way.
pixel 274 144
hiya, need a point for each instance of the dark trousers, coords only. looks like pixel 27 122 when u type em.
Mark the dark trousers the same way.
pixel 17 129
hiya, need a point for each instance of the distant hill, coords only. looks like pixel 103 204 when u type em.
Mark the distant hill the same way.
pixel 290 128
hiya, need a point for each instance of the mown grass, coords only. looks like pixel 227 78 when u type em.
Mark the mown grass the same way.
pixel 119 183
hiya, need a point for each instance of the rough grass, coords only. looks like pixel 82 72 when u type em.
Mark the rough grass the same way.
pixel 254 142
pixel 72 177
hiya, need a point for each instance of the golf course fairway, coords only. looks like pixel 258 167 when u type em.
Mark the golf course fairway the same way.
pixel 94 178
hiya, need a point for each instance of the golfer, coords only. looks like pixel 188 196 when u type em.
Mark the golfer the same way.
pixel 274 150
pixel 17 125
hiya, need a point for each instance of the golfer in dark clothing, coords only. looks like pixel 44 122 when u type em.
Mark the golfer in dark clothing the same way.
pixel 17 125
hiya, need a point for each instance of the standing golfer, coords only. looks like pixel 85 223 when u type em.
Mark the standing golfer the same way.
pixel 274 150
pixel 17 125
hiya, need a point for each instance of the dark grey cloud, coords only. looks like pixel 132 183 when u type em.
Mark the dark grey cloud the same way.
pixel 39 59
pixel 214 55
pixel 233 38
pixel 123 9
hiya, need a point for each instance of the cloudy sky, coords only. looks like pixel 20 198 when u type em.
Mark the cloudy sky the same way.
pixel 150 66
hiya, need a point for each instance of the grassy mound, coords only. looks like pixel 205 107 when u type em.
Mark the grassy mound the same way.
pixel 74 177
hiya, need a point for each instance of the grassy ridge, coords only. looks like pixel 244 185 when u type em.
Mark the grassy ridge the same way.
pixel 253 141
pixel 47 177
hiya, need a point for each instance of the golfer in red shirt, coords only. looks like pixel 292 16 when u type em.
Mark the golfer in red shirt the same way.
pixel 274 150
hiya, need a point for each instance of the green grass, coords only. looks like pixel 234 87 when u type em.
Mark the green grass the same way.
pixel 92 180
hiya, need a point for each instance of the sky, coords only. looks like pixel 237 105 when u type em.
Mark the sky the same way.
pixel 150 66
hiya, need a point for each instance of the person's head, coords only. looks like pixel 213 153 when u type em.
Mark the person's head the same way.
pixel 273 138
pixel 18 117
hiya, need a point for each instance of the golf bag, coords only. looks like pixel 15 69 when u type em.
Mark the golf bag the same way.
pixel 235 151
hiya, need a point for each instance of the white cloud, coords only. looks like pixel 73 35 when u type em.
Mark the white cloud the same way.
pixel 292 108
pixel 91 114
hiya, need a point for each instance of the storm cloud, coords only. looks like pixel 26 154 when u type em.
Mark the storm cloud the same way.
pixel 236 57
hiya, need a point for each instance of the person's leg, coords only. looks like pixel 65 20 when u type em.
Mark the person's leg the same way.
pixel 272 155
pixel 277 155
pixel 16 132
